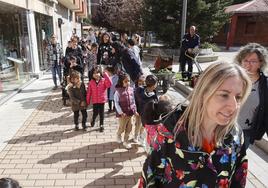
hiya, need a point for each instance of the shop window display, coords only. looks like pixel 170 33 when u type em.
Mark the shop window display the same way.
pixel 14 68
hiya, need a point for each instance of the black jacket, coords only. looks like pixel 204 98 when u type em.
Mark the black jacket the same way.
pixel 260 121
pixel 130 64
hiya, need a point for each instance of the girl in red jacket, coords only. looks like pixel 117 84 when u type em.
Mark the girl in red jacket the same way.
pixel 97 92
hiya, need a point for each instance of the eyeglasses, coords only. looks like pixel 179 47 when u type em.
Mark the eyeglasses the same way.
pixel 250 62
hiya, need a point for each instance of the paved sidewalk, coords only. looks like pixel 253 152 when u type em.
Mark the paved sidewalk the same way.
pixel 18 108
pixel 47 152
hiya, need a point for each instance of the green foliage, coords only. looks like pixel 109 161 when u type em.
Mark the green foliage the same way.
pixel 164 18
pixel 214 47
pixel 239 1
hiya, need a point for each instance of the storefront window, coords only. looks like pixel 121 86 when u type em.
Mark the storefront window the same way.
pixel 15 66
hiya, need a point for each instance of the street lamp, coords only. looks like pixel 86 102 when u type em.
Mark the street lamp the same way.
pixel 183 21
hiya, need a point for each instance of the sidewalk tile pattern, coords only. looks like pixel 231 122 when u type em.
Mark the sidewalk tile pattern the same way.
pixel 47 152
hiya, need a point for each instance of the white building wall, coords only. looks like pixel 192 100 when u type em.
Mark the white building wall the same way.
pixel 59 11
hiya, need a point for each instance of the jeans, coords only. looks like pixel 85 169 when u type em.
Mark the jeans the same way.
pixel 98 109
pixel 56 69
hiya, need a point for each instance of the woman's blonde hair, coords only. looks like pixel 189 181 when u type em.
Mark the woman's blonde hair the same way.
pixel 211 79
pixel 250 48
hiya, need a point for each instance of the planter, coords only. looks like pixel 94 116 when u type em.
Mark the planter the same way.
pixel 205 51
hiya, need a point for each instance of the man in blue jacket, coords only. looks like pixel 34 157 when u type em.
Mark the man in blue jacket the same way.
pixel 190 42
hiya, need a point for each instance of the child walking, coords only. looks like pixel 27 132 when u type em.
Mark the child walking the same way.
pixel 125 108
pixel 155 113
pixel 148 93
pixel 138 99
pixel 97 91
pixel 77 92
pixel 111 90
pixel 92 58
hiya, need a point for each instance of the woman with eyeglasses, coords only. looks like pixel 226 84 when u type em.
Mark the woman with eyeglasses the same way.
pixel 253 117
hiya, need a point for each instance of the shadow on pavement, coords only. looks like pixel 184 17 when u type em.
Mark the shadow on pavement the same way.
pixel 53 103
pixel 111 178
pixel 48 137
pixel 44 90
pixel 110 155
pixel 64 119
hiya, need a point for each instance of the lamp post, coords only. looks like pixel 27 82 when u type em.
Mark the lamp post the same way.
pixel 183 21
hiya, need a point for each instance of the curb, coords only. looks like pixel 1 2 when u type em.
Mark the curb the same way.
pixel 261 144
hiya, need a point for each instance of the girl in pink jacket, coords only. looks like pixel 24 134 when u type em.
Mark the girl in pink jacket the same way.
pixel 97 92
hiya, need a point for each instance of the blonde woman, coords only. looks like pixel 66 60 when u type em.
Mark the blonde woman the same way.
pixel 206 149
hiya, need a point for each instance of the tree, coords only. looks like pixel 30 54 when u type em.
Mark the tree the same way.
pixel 209 18
pixel 120 15
pixel 164 18
pixel 239 1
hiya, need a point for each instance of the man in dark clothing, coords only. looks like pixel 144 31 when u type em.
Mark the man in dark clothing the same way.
pixel 190 42
pixel 130 62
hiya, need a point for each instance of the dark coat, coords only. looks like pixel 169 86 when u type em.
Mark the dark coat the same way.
pixel 188 42
pixel 77 95
pixel 130 64
pixel 260 120
pixel 104 48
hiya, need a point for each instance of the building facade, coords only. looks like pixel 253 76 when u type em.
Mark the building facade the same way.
pixel 25 29
pixel 248 23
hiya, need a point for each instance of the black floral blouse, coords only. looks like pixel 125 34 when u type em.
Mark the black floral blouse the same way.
pixel 174 163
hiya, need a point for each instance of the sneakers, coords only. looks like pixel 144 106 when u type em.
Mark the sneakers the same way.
pixel 55 87
pixel 136 139
pixel 76 128
pixel 110 111
pixel 119 140
pixel 126 145
pixel 101 128
pixel 92 124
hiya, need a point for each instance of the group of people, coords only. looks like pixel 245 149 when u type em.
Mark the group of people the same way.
pixel 114 75
pixel 200 143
